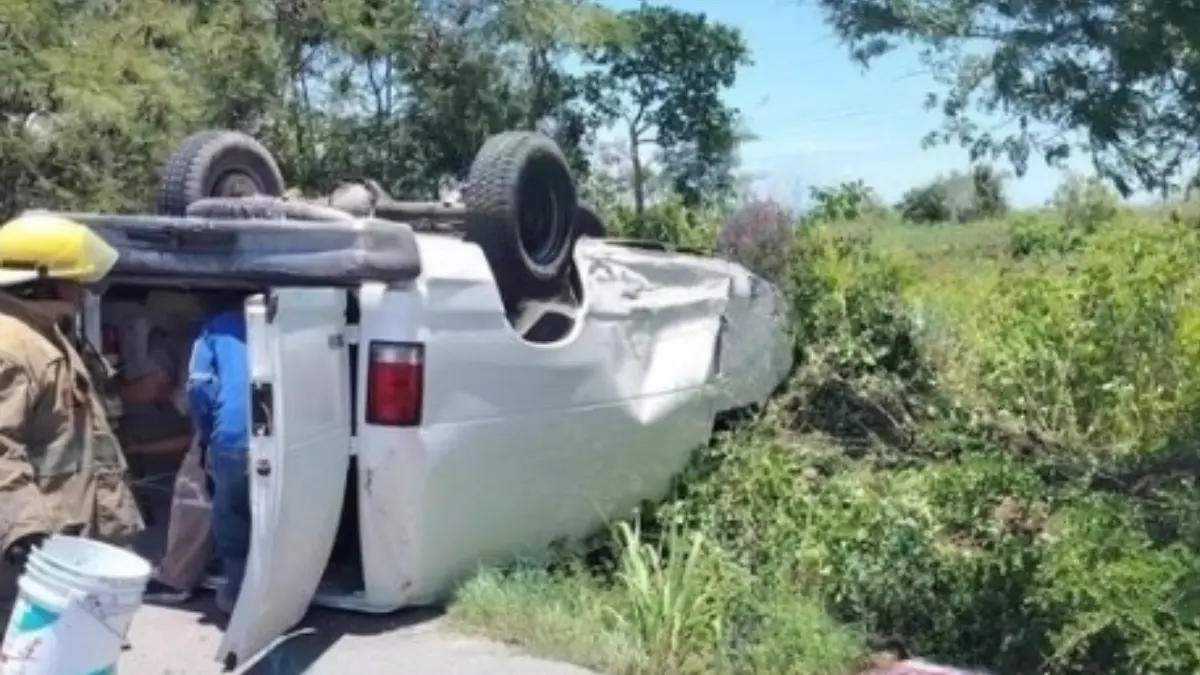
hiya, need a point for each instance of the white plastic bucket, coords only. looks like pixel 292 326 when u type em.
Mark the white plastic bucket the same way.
pixel 77 598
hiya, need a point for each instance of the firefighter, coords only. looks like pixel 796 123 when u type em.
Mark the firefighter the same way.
pixel 61 468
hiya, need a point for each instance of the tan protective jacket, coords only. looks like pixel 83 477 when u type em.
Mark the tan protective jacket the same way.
pixel 61 467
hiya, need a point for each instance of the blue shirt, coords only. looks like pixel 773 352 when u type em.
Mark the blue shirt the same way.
pixel 218 384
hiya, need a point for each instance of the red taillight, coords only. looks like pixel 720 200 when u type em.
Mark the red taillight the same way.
pixel 395 383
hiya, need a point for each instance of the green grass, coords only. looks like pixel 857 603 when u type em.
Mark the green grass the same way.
pixel 575 620
pixel 950 242
pixel 564 617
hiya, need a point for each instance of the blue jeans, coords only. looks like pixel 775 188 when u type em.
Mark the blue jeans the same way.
pixel 231 515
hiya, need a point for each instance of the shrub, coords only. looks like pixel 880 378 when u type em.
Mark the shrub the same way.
pixel 844 202
pixel 1098 351
pixel 958 197
pixel 1036 234
pixel 1001 526
pixel 928 204
pixel 1085 204
pixel 1012 486
pixel 758 235
pixel 1079 208
pixel 668 221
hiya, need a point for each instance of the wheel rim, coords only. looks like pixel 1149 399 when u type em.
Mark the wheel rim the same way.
pixel 538 228
pixel 236 184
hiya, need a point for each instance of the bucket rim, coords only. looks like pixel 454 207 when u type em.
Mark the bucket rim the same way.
pixel 65 578
pixel 141 577
pixel 59 569
pixel 57 586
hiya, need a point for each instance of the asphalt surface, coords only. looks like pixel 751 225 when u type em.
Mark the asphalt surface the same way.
pixel 177 641
pixel 184 640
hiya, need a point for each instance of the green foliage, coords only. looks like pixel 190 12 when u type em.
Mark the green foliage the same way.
pixel 848 305
pixel 89 102
pixel 1011 488
pixel 940 525
pixel 958 198
pixel 674 597
pixel 398 91
pixel 1079 208
pixel 847 201
pixel 1034 234
pixel 926 204
pixel 988 199
pixel 1085 203
pixel 988 444
pixel 1120 74
pixel 661 73
pixel 668 221
pixel 1093 351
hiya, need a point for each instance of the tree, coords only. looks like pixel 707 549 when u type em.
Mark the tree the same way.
pixel 94 96
pixel 1123 75
pixel 546 33
pixel 660 73
pixel 846 201
pixel 958 197
pixel 88 100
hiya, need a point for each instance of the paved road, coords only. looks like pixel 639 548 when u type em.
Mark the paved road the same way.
pixel 184 641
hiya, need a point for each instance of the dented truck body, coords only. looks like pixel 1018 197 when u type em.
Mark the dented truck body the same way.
pixel 521 444
pixel 467 442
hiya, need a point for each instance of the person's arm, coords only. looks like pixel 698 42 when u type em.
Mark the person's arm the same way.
pixel 202 387
pixel 23 513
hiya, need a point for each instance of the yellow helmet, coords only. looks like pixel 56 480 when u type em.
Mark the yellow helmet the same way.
pixel 44 246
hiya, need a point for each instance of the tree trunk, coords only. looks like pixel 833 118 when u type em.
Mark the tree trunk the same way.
pixel 639 180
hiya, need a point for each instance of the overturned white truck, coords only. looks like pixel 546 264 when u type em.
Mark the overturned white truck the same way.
pixel 437 387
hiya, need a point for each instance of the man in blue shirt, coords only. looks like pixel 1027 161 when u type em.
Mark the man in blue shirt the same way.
pixel 218 390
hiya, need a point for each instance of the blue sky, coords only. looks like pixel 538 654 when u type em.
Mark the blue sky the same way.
pixel 821 119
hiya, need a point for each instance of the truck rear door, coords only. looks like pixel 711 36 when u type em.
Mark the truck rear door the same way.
pixel 299 455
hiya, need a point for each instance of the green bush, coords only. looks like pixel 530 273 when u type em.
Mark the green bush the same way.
pixel 1038 234
pixel 1078 209
pixel 668 221
pixel 1008 482
pixel 849 201
pixel 1100 350
pixel 956 198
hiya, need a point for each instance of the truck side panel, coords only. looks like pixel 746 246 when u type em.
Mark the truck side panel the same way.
pixel 522 444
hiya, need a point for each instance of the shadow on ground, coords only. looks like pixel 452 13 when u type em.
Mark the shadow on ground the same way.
pixel 294 653
pixel 299 650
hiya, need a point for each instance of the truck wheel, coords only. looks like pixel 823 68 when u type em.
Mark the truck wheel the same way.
pixel 216 163
pixel 588 222
pixel 520 201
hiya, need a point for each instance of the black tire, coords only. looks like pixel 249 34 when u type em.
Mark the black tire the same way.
pixel 588 222
pixel 263 208
pixel 216 163
pixel 520 201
